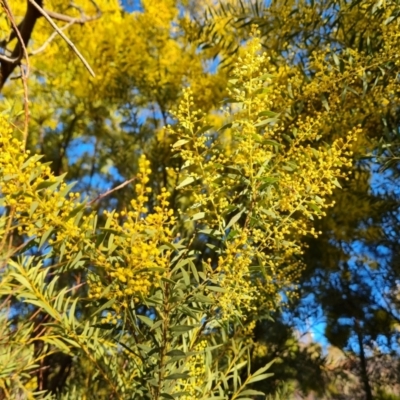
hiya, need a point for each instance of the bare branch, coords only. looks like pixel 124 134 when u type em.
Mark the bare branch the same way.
pixel 101 196
pixel 50 39
pixel 19 51
pixel 8 59
pixel 23 32
pixel 57 29
pixel 82 20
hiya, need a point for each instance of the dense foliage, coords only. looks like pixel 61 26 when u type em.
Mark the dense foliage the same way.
pixel 170 225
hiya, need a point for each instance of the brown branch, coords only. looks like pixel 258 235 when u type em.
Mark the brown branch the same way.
pixel 23 32
pixel 49 40
pixel 19 51
pixel 8 59
pixel 101 196
pixel 82 20
pixel 57 29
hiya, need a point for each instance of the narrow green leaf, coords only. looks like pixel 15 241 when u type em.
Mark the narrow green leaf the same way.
pixel 166 395
pixel 71 317
pixel 178 376
pixel 202 299
pixel 216 289
pixel 44 237
pixel 259 378
pixel 182 328
pixel 180 143
pixel 33 207
pixel 336 183
pixel 47 185
pixel 267 113
pixel 235 219
pixel 265 77
pixel 176 353
pixel 204 129
pixel 226 126
pixel 265 122
pixel 148 321
pixel 185 182
pixel 251 392
pixel 194 270
pixel 76 210
pixel 196 217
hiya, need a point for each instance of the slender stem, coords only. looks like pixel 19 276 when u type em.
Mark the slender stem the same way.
pixel 363 361
pixel 164 341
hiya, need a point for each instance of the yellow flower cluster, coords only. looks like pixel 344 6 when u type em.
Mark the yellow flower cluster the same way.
pixel 276 176
pixel 196 369
pixel 37 199
pixel 234 276
pixel 133 262
pixel 41 209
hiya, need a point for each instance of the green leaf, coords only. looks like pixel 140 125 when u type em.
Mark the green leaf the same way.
pixel 180 143
pixel 178 376
pixel 34 158
pixel 44 237
pixel 336 59
pixel 182 328
pixel 216 289
pixel 265 77
pixel 128 348
pixel 270 142
pixel 251 392
pixel 186 277
pixel 265 122
pixel 259 378
pixel 314 207
pixel 270 213
pixel 76 210
pixel 176 353
pixel 166 280
pixel 21 279
pixel 166 395
pixel 196 217
pixel 287 138
pixel 71 318
pixel 235 219
pixel 148 321
pixel 156 325
pixel 46 307
pixel 194 270
pixel 204 129
pixel 202 299
pixel 269 114
pixel 336 183
pixel 67 189
pixel 260 371
pixel 46 185
pixel 105 306
pixel 185 182
pixel 226 126
pixel 33 207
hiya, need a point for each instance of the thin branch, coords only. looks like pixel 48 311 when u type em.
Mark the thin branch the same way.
pixel 50 39
pixel 24 75
pixel 8 59
pixel 24 79
pixel 66 18
pixel 101 196
pixel 57 29
pixel 22 32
